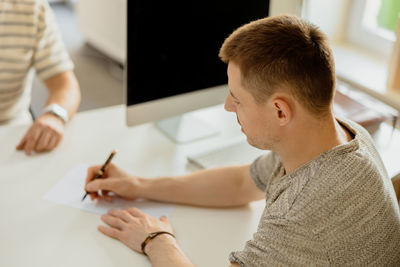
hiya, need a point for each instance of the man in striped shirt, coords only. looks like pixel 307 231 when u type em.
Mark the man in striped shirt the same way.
pixel 30 43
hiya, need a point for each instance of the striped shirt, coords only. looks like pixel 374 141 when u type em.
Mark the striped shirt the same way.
pixel 338 209
pixel 29 43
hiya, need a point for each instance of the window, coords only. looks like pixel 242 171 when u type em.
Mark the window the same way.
pixel 361 33
pixel 388 14
pixel 372 24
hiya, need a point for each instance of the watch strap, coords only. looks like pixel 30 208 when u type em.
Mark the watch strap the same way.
pixel 58 111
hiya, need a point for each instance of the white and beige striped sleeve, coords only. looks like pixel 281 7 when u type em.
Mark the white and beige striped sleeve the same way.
pixel 50 57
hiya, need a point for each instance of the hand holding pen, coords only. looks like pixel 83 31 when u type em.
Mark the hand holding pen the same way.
pixel 114 182
pixel 100 172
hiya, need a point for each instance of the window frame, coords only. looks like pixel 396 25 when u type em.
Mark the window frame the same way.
pixel 364 37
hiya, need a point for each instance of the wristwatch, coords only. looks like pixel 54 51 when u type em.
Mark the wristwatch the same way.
pixel 57 110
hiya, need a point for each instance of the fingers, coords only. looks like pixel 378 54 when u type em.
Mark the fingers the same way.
pixel 49 139
pixel 105 195
pixel 91 173
pixel 22 143
pixel 114 222
pixel 43 141
pixel 105 186
pixel 53 143
pixel 94 196
pixel 111 232
pixel 31 139
pixel 136 212
pixel 41 136
pixel 122 214
pixel 102 184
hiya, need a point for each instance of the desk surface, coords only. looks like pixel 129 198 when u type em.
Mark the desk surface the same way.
pixel 35 232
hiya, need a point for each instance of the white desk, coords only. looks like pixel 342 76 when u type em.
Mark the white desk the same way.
pixel 35 232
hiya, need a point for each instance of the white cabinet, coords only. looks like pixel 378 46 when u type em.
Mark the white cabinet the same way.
pixel 103 23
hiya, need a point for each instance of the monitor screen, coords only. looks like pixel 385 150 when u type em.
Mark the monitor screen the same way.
pixel 173 45
pixel 172 60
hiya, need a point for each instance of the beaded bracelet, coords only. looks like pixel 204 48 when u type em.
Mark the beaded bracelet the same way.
pixel 151 236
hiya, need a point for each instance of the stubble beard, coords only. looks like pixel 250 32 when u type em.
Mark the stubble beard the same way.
pixel 266 143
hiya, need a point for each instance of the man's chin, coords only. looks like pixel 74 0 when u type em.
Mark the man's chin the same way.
pixel 249 141
pixel 254 144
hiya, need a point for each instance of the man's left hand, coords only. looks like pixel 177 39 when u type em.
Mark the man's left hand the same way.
pixel 44 135
pixel 131 226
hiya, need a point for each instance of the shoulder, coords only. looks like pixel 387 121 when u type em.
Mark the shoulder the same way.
pixel 268 161
pixel 25 4
pixel 25 9
pixel 334 178
pixel 265 169
pixel 339 186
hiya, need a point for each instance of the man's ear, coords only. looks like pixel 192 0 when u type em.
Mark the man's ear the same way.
pixel 282 110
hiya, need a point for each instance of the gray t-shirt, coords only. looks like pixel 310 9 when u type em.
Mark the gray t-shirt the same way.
pixel 338 209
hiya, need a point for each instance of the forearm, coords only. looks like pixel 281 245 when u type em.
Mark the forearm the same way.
pixel 64 90
pixel 222 187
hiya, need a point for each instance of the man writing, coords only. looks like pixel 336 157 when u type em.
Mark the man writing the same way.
pixel 30 41
pixel 329 200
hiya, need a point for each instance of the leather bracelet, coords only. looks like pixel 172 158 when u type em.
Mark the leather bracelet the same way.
pixel 152 236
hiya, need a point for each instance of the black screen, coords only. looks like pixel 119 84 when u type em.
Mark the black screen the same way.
pixel 173 45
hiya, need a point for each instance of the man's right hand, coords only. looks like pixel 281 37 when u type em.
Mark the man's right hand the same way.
pixel 114 180
pixel 44 135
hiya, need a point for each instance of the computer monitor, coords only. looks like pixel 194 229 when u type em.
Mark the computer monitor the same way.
pixel 172 58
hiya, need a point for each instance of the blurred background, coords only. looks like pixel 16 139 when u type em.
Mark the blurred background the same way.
pixel 362 34
pixel 93 32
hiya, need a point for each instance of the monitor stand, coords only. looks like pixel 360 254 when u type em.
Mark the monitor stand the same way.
pixel 185 128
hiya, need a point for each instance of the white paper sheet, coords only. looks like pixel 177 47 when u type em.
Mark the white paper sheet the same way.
pixel 69 191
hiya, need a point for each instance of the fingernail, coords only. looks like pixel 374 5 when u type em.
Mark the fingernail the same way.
pixel 89 187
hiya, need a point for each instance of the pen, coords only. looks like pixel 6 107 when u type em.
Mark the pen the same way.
pixel 102 169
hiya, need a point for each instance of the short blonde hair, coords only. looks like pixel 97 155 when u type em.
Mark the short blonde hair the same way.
pixel 284 52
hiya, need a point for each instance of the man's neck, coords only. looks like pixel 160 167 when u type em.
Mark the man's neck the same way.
pixel 309 138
